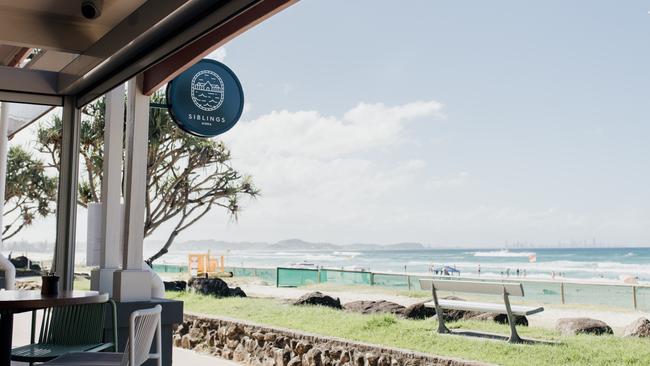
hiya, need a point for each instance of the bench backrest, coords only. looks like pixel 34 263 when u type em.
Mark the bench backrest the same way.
pixel 477 287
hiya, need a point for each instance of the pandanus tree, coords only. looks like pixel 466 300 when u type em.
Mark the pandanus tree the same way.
pixel 29 192
pixel 187 176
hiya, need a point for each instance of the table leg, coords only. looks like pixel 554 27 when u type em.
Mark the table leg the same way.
pixel 6 329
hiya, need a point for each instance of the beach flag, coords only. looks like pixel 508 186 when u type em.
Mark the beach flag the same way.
pixel 532 258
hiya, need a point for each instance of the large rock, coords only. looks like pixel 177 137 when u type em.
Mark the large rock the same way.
pixel 572 326
pixel 214 286
pixel 639 328
pixel 418 311
pixel 175 285
pixel 20 262
pixel 373 307
pixel 318 298
pixel 456 315
pixel 499 318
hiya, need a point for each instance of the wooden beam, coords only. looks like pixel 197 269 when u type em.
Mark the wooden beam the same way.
pixel 163 72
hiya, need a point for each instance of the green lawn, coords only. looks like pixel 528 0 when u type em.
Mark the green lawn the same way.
pixel 418 335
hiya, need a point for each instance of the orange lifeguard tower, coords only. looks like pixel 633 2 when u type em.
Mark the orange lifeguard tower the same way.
pixel 204 264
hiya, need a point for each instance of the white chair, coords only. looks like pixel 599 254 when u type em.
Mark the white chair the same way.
pixel 143 326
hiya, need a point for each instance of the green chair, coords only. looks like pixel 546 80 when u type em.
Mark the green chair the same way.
pixel 78 328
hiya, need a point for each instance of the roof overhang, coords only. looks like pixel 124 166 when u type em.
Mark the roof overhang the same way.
pixel 87 58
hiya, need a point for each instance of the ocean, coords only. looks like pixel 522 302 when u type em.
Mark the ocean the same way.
pixel 597 264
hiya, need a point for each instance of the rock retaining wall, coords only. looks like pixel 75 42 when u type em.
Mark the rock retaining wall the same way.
pixel 255 344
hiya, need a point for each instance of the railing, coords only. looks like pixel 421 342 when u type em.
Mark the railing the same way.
pixel 552 292
pixel 541 291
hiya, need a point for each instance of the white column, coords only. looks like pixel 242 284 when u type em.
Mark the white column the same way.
pixel 111 205
pixel 132 283
pixel 5 264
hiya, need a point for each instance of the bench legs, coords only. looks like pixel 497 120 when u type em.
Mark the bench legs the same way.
pixel 442 328
pixel 514 336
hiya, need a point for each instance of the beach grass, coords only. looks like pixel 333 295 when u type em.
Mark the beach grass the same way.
pixel 418 335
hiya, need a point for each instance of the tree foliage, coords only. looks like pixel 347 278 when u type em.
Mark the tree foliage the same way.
pixel 29 191
pixel 187 176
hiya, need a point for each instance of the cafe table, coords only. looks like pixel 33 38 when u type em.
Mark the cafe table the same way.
pixel 15 301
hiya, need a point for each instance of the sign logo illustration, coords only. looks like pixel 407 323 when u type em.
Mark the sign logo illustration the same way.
pixel 196 99
pixel 207 90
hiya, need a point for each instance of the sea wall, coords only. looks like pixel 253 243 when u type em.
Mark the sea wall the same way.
pixel 254 344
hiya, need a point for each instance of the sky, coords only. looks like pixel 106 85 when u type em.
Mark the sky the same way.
pixel 455 123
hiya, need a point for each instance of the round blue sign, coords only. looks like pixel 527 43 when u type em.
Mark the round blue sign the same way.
pixel 206 100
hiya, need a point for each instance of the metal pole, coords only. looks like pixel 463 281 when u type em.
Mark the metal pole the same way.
pixel 562 292
pixel 66 204
pixel 636 305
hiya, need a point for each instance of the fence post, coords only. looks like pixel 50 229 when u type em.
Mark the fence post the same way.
pixel 277 277
pixel 562 291
pixel 255 272
pixel 372 278
pixel 318 275
pixel 408 279
pixel 636 306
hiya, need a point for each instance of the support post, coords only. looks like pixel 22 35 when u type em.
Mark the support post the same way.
pixel 562 292
pixel 111 210
pixel 514 336
pixel 132 283
pixel 5 264
pixel 442 328
pixel 66 204
pixel 634 298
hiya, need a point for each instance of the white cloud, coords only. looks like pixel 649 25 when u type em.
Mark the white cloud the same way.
pixel 310 134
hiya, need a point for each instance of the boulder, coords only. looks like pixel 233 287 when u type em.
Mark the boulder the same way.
pixel 418 311
pixel 456 315
pixel 175 285
pixel 572 326
pixel 639 328
pixel 20 262
pixel 498 318
pixel 214 286
pixel 373 307
pixel 318 298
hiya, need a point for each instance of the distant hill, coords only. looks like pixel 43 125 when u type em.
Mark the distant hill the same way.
pixel 298 244
pixel 211 244
pixel 287 245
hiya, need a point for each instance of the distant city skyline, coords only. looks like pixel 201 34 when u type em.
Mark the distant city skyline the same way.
pixel 468 124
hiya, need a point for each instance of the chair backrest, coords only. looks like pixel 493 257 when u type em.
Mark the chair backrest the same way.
pixel 477 287
pixel 143 325
pixel 73 325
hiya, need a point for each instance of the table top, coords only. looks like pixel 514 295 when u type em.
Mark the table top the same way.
pixel 30 300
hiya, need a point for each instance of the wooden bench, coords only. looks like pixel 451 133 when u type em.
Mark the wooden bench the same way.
pixel 477 287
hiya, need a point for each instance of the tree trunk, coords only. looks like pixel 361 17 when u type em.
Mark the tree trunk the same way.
pixel 164 249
